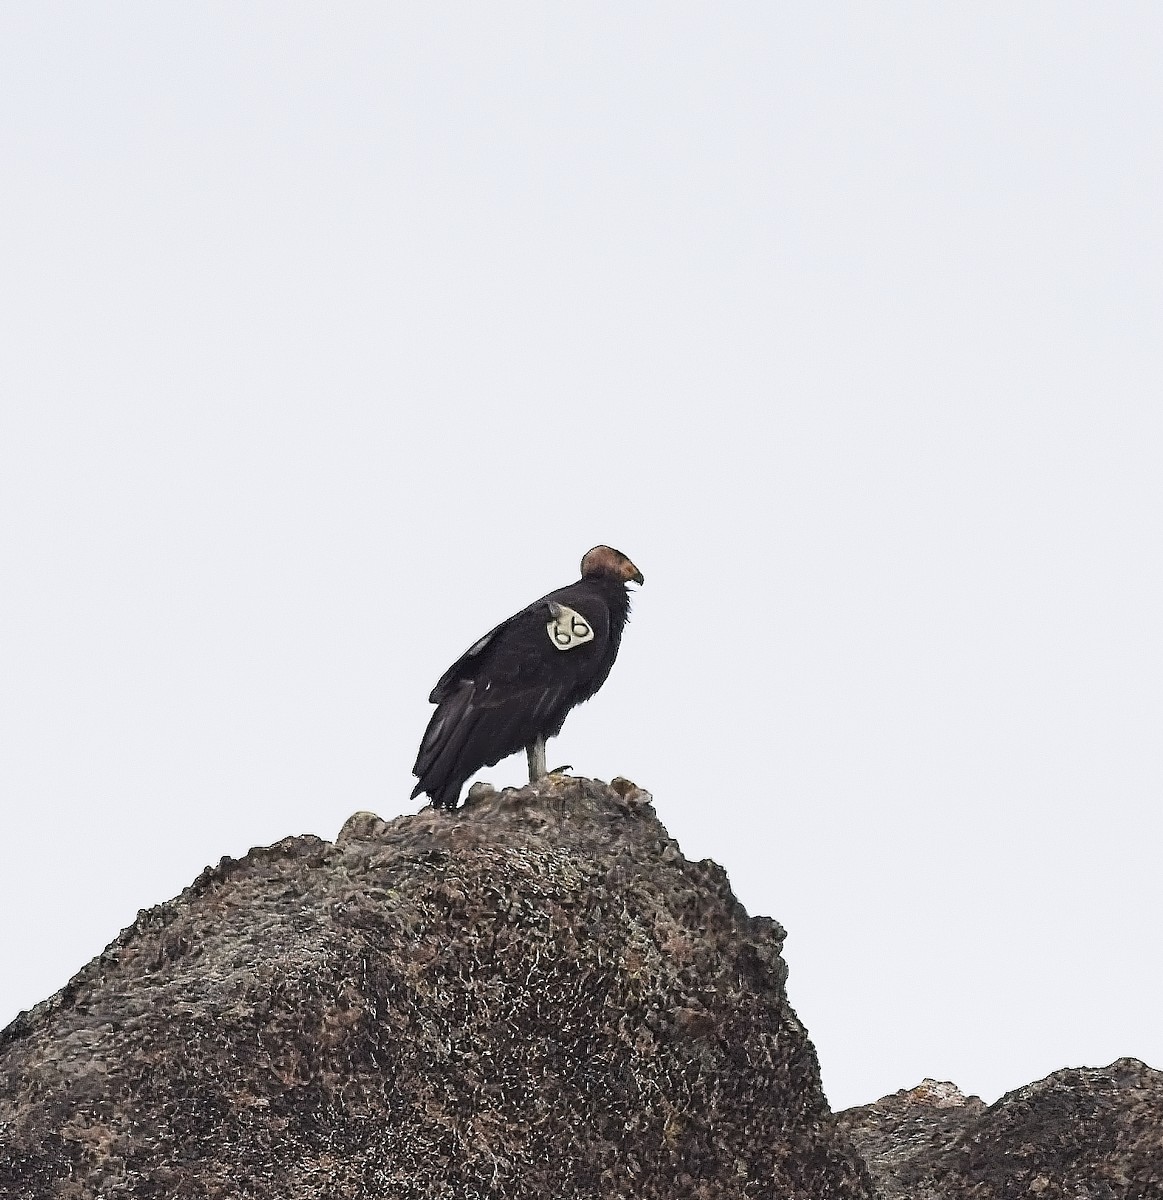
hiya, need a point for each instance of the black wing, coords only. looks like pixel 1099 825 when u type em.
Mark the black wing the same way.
pixel 471 662
pixel 510 687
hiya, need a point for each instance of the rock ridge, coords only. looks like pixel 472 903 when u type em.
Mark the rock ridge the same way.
pixel 1094 1133
pixel 535 995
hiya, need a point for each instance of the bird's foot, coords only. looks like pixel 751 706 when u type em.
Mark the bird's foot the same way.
pixel 560 770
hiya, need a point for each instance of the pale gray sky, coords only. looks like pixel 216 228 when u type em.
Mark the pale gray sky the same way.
pixel 334 334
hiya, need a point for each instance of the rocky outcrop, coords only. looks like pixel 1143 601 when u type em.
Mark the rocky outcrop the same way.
pixel 1076 1135
pixel 534 996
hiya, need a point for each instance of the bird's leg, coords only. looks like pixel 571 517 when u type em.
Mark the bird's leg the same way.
pixel 536 755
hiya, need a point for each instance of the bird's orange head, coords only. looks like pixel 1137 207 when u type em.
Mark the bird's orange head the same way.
pixel 605 560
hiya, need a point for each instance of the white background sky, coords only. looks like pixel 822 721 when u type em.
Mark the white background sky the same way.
pixel 331 335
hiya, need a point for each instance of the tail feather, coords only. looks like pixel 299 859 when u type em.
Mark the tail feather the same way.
pixel 440 756
pixel 468 731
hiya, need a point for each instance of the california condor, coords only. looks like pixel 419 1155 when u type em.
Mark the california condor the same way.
pixel 515 687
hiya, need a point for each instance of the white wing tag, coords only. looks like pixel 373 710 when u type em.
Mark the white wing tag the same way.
pixel 568 628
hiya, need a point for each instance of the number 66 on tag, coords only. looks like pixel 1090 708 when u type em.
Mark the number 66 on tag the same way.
pixel 568 628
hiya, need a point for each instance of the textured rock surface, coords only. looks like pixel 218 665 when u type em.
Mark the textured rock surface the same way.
pixel 1076 1135
pixel 536 996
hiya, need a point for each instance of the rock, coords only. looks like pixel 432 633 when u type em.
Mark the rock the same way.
pixel 534 996
pixel 480 791
pixel 1092 1134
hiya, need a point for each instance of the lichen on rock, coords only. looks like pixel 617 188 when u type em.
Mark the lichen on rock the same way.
pixel 536 995
pixel 1088 1132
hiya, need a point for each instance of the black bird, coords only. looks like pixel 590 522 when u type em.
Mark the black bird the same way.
pixel 515 687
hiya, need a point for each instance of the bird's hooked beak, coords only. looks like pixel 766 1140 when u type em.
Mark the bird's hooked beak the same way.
pixel 637 577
